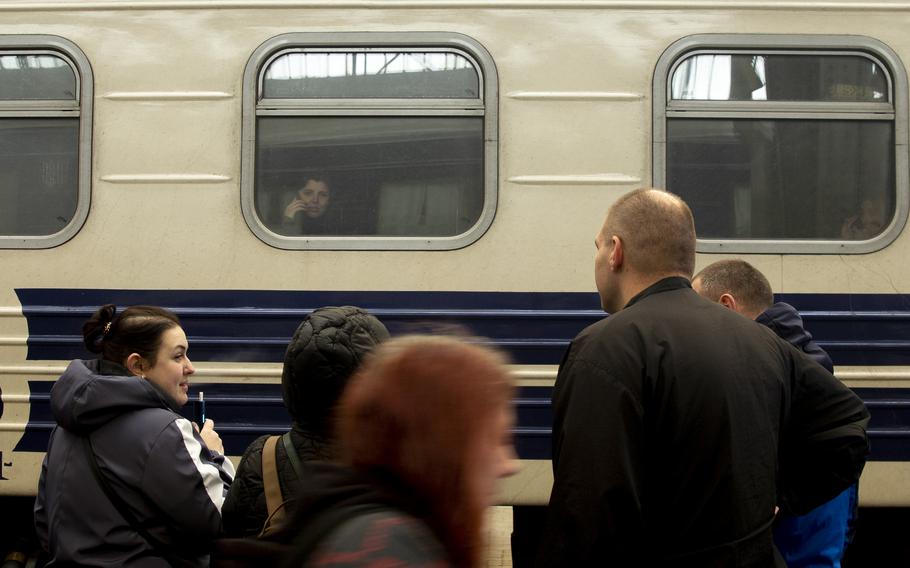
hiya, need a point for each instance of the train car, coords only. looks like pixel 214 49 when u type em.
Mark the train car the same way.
pixel 152 151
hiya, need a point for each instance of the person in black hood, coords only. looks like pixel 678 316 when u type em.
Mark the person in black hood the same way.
pixel 127 481
pixel 819 538
pixel 324 352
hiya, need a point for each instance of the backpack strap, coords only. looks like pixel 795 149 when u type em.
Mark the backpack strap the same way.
pixel 293 458
pixel 270 483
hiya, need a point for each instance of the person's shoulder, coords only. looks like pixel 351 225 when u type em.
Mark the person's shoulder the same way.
pixel 385 535
pixel 256 445
pixel 610 329
pixel 252 456
pixel 152 421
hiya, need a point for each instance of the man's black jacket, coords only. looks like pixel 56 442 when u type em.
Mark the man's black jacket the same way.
pixel 679 425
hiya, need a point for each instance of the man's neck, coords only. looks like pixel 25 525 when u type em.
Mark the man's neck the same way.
pixel 635 283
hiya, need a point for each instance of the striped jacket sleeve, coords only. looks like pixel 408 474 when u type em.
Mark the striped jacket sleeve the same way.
pixel 187 481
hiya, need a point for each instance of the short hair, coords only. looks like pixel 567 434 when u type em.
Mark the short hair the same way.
pixel 138 329
pixel 657 230
pixel 416 411
pixel 739 278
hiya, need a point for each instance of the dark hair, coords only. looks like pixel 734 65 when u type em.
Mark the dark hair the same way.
pixel 657 229
pixel 739 278
pixel 417 410
pixel 138 329
pixel 319 176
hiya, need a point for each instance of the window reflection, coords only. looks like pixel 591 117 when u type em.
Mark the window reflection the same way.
pixel 38 174
pixel 779 77
pixel 784 179
pixel 36 77
pixel 397 74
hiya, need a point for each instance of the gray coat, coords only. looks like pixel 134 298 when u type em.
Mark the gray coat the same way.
pixel 150 456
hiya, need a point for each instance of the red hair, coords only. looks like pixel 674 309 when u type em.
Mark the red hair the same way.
pixel 418 409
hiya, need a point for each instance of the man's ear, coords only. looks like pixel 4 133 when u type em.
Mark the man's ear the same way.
pixel 616 255
pixel 135 364
pixel 727 300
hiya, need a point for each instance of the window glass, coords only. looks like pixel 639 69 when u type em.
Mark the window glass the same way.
pixel 36 77
pixel 784 144
pixel 38 175
pixel 784 179
pixel 768 77
pixel 45 140
pixel 370 141
pixel 382 176
pixel 371 74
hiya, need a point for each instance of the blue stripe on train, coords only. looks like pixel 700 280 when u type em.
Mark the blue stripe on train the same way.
pixel 243 412
pixel 255 326
pixel 533 327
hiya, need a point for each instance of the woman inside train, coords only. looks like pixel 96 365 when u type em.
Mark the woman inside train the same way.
pixel 424 433
pixel 127 481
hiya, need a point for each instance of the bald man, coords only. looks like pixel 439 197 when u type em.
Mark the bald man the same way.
pixel 819 538
pixel 679 425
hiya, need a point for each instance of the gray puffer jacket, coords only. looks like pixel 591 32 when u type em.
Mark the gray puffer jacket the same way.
pixel 150 456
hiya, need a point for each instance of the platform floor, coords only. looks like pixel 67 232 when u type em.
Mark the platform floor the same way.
pixel 499 534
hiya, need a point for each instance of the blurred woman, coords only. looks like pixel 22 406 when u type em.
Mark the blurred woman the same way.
pixel 127 481
pixel 424 428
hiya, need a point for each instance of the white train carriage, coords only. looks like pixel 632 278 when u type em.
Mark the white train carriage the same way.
pixel 149 151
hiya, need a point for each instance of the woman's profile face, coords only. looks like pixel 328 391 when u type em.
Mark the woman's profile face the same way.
pixel 172 367
pixel 495 456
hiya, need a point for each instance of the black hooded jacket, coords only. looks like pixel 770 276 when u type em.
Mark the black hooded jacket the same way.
pixel 326 349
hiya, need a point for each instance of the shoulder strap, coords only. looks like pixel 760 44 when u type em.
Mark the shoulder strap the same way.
pixel 122 507
pixel 270 483
pixel 293 458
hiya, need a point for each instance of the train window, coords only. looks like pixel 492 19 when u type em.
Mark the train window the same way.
pixel 45 134
pixel 45 137
pixel 784 144
pixel 369 141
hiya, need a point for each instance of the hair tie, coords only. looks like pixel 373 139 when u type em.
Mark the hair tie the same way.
pixel 107 328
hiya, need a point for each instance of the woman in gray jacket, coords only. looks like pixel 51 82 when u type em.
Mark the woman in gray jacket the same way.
pixel 127 481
